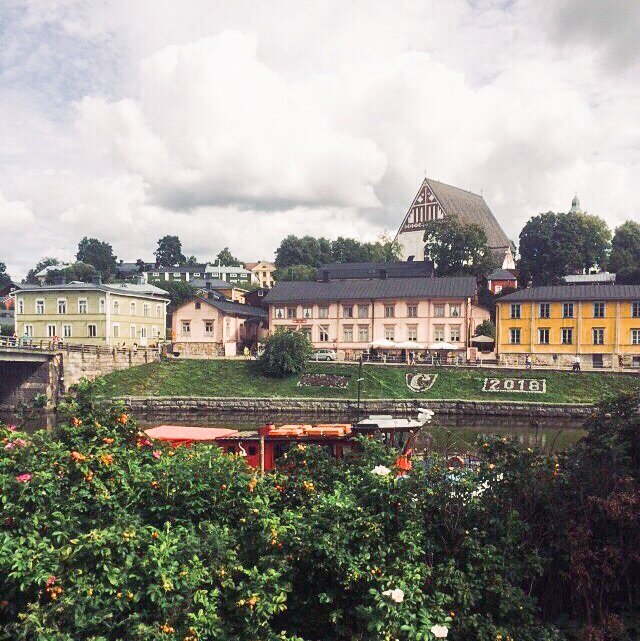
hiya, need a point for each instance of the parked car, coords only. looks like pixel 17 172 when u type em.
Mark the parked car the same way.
pixel 324 355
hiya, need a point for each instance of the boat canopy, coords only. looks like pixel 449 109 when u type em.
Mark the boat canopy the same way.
pixel 180 433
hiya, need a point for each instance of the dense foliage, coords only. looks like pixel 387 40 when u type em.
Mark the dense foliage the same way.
pixel 625 253
pixel 77 271
pixel 285 353
pixel 5 279
pixel 169 252
pixel 107 536
pixel 99 254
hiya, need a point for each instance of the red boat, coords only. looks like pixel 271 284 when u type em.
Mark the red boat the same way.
pixel 262 448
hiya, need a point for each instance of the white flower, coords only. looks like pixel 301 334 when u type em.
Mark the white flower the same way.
pixel 381 470
pixel 396 595
pixel 440 631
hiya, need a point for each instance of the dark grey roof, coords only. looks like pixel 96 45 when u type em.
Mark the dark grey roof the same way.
pixel 501 274
pixel 145 289
pixel 232 308
pixel 395 269
pixel 420 288
pixel 469 208
pixel 571 293
pixel 182 269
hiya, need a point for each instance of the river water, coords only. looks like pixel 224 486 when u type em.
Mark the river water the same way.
pixel 445 432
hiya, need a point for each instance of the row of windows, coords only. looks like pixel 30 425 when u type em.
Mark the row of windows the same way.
pixel 83 307
pixel 362 311
pixel 568 309
pixel 362 333
pixel 91 331
pixel 185 327
pixel 566 336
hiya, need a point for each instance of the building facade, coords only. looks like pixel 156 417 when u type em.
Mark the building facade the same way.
pixel 234 275
pixel 349 315
pixel 263 272
pixel 598 323
pixel 208 327
pixel 435 201
pixel 92 313
pixel 186 273
pixel 501 279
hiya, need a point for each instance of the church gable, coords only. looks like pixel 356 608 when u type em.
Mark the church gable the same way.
pixel 425 207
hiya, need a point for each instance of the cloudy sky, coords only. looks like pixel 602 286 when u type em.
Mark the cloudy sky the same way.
pixel 234 123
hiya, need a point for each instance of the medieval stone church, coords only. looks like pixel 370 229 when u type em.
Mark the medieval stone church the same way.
pixel 434 201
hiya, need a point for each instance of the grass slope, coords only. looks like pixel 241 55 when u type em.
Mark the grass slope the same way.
pixel 240 379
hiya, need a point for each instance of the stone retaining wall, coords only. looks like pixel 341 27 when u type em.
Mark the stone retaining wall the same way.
pixel 91 364
pixel 166 408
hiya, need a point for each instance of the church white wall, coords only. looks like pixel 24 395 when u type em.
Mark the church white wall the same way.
pixel 412 244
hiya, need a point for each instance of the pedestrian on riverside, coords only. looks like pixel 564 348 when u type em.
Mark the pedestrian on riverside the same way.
pixel 412 358
pixel 527 361
pixel 576 363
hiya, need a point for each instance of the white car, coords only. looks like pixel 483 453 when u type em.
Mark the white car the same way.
pixel 324 355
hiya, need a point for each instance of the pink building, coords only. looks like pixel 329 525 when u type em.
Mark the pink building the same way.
pixel 349 315
pixel 211 327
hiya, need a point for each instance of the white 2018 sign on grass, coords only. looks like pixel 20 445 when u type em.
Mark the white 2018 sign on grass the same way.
pixel 519 385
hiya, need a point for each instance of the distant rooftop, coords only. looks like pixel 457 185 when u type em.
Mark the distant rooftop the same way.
pixel 143 289
pixel 501 274
pixel 392 269
pixel 571 293
pixel 584 279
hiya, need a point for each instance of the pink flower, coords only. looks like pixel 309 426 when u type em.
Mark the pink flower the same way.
pixel 19 442
pixel 12 428
pixel 10 445
pixel 24 478
pixel 157 453
pixel 50 581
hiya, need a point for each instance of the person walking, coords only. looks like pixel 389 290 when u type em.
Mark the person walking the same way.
pixel 412 358
pixel 527 361
pixel 576 363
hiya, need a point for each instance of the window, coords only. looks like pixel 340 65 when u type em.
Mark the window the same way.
pixel 363 333
pixel 116 307
pixel 544 310
pixel 567 310
pixel 92 330
pixel 306 331
pixel 146 310
pixel 28 330
pixel 307 312
pixel 116 330
pixel 543 336
pixel 101 306
pixel 635 309
pixel 66 331
pixel 347 333
pixel 143 332
pixel 291 312
pixel 515 310
pixel 598 310
pixel 82 305
pixel 389 311
pixel 454 333
pixel 567 336
pixel 363 311
pixel 412 333
pixel 185 328
pixel 438 333
pixel 323 311
pixel 635 336
pixel 39 306
pixel 347 311
pixel 20 305
pixel 62 305
pixel 132 331
pixel 390 332
pixel 158 311
pixel 454 310
pixel 438 311
pixel 598 335
pixel 514 336
pixel 279 312
pixel 51 331
pixel 132 309
pixel 324 333
pixel 208 327
pixel 412 311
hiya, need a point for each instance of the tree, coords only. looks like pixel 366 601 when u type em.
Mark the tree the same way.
pixel 486 328
pixel 192 261
pixel 79 271
pixel 169 252
pixel 350 250
pixel 179 292
pixel 625 253
pixel 40 265
pixel 303 251
pixel 5 279
pixel 226 258
pixel 555 245
pixel 457 249
pixel 296 272
pixel 99 254
pixel 285 353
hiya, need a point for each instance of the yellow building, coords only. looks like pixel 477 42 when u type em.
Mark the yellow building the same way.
pixel 598 323
pixel 92 313
pixel 262 272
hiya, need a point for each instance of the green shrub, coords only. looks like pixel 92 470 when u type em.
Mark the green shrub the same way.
pixel 285 353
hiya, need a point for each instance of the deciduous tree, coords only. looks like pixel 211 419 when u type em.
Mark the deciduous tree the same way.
pixel 5 279
pixel 79 271
pixel 169 252
pixel 99 254
pixel 296 272
pixel 47 261
pixel 226 258
pixel 285 353
pixel 625 253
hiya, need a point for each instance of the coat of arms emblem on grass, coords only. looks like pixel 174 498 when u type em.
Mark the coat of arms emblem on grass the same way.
pixel 420 382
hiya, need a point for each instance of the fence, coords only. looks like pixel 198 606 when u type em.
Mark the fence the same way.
pixel 62 346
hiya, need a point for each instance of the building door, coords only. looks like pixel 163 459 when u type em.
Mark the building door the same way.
pixel 597 361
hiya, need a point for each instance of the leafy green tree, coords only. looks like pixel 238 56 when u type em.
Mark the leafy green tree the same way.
pixel 303 251
pixel 99 254
pixel 79 271
pixel 457 249
pixel 296 272
pixel 5 279
pixel 555 245
pixel 40 265
pixel 285 353
pixel 192 261
pixel 486 328
pixel 625 253
pixel 169 252
pixel 350 250
pixel 179 292
pixel 226 258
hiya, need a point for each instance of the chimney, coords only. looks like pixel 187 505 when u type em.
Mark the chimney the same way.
pixel 410 259
pixel 208 285
pixel 325 275
pixel 383 274
pixel 141 279
pixel 96 280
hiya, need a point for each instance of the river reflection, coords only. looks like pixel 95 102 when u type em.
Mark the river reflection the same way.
pixel 445 433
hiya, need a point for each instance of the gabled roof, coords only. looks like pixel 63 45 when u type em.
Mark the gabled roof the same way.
pixel 501 274
pixel 216 283
pixel 117 288
pixel 361 289
pixel 230 308
pixel 393 269
pixel 570 293
pixel 183 269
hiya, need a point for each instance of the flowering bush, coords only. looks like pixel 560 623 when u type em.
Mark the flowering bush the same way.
pixel 106 535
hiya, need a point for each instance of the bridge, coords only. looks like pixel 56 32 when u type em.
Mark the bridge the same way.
pixel 43 370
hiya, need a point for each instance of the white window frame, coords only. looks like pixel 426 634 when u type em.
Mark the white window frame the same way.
pixel 412 333
pixel 40 306
pixel 101 306
pixel 28 330
pixel 133 309
pixel 83 302
pixel 390 332
pixel 207 331
pixel 185 328
pixel 453 331
pixel 515 311
pixel 279 313
pixel 597 335
pixel 158 310
pixel 635 309
pixel 323 311
pixel 347 333
pixel 133 331
pixel 143 332
pixel 116 307
pixel 412 310
pixel 544 333
pixel 515 332
pixel 62 304
pixel 438 333
pixel 564 333
pixel 439 311
pixel 323 333
pixel 363 311
pixel 95 330
pixel 389 311
pixel 67 330
pixel 20 306
pixel 635 336
pixel 347 311
pixel 363 333
pixel 547 310
pixel 51 330
pixel 455 310
pixel 116 330
pixel 307 312
pixel 597 306
pixel 146 310
pixel 566 307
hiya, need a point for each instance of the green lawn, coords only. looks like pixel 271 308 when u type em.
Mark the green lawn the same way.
pixel 239 379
